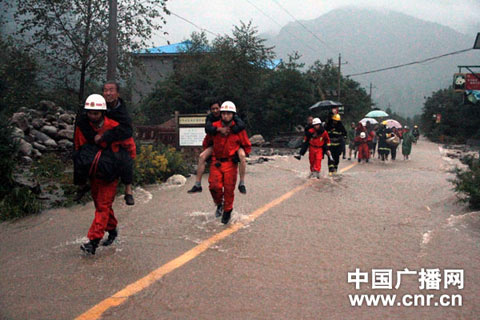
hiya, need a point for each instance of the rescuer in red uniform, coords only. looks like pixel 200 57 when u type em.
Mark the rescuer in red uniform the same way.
pixel 223 170
pixel 318 140
pixel 103 191
pixel 362 142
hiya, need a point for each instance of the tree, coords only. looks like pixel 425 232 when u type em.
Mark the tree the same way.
pixel 18 71
pixel 72 35
pixel 324 77
pixel 458 123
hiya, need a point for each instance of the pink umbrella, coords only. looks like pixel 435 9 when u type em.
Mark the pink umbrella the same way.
pixel 393 123
pixel 371 120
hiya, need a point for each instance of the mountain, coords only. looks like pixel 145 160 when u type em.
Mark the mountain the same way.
pixel 370 39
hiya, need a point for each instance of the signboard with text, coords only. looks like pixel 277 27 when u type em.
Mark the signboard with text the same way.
pixel 191 129
pixel 472 81
pixel 191 137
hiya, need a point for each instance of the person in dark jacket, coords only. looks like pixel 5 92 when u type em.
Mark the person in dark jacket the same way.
pixel 103 189
pixel 117 111
pixel 212 130
pixel 383 134
pixel 337 133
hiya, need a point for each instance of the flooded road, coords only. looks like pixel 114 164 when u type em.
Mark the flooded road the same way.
pixel 291 262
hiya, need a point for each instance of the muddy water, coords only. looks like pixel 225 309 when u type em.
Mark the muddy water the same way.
pixel 290 263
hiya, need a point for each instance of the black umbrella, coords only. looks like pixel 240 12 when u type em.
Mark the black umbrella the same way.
pixel 325 104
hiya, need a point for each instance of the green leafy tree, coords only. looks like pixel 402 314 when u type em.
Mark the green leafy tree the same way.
pixel 72 35
pixel 459 122
pixel 324 79
pixel 18 72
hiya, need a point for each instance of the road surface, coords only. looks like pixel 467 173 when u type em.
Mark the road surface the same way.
pixel 288 253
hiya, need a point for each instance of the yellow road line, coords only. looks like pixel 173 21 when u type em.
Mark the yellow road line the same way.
pixel 121 296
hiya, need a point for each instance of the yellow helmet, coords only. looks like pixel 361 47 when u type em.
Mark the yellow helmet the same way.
pixel 336 117
pixel 415 126
pixel 384 122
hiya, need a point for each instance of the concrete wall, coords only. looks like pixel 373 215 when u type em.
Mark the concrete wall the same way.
pixel 150 70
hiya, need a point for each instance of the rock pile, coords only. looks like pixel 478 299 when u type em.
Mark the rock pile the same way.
pixel 48 128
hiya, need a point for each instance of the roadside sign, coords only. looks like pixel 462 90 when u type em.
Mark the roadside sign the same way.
pixel 459 81
pixel 191 129
pixel 472 81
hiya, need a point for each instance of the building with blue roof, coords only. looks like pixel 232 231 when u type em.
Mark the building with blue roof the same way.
pixel 156 64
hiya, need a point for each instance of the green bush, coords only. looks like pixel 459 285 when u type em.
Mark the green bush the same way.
pixel 19 202
pixel 467 183
pixel 156 163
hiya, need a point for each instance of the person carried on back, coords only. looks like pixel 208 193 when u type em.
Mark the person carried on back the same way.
pixel 210 129
pixel 117 111
pixel 223 168
pixel 102 164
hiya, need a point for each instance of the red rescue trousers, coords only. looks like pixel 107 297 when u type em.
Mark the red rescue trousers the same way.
pixel 315 157
pixel 103 194
pixel 222 182
pixel 363 152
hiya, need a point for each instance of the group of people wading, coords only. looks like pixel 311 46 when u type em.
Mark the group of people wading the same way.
pixel 331 138
pixel 105 149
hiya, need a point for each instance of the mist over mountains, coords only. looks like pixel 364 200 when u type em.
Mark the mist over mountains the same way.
pixel 370 39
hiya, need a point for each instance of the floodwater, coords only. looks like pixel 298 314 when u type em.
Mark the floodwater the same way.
pixel 292 262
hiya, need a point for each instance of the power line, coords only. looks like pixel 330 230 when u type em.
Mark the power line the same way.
pixel 410 63
pixel 308 30
pixel 289 33
pixel 193 24
pixel 303 26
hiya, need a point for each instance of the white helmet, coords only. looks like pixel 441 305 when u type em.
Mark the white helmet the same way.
pixel 95 102
pixel 316 121
pixel 228 106
pixel 363 135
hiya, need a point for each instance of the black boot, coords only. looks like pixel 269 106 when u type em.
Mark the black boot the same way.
pixel 90 246
pixel 112 234
pixel 226 216
pixel 195 189
pixel 129 199
pixel 242 188
pixel 219 211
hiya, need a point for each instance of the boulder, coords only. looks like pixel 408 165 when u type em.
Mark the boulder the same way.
pixel 39 146
pixel 65 144
pixel 17 133
pixel 66 118
pixel 65 134
pixel 20 120
pixel 177 179
pixel 27 160
pixel 27 181
pixel 257 140
pixel 25 148
pixel 38 123
pixel 50 118
pixel 40 136
pixel 50 143
pixel 51 131
pixel 36 154
pixel 295 142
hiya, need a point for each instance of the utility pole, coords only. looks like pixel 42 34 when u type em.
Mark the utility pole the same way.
pixel 339 74
pixel 112 41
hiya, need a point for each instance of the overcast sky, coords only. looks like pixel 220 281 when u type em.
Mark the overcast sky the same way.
pixel 219 16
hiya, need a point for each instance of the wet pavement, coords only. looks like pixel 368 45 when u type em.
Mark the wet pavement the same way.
pixel 292 262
